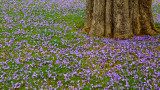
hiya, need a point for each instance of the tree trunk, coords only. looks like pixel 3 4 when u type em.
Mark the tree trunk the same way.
pixel 119 19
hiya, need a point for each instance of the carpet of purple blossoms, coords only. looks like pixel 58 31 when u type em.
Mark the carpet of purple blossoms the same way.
pixel 40 48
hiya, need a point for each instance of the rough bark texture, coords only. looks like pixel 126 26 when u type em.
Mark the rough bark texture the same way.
pixel 108 19
pixel 88 16
pixel 119 19
pixel 98 18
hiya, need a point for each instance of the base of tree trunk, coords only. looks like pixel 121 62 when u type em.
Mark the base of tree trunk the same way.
pixel 119 19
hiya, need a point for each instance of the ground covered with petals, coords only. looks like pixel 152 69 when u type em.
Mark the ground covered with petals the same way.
pixel 42 47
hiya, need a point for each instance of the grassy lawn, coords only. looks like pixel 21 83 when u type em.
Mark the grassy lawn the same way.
pixel 42 47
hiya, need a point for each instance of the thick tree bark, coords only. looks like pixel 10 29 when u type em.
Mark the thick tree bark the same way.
pixel 88 16
pixel 119 19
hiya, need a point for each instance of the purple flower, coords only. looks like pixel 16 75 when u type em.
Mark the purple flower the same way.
pixel 59 83
pixel 136 76
pixel 97 86
pixel 127 84
pixel 57 62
